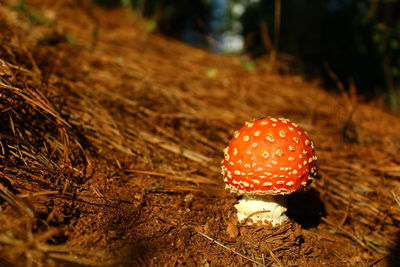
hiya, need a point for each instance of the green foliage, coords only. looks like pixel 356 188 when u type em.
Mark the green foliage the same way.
pixel 212 73
pixel 30 15
pixel 125 2
pixel 94 37
pixel 335 230
pixel 248 65
pixel 21 6
pixel 372 246
pixel 385 30
pixel 151 25
pixel 70 39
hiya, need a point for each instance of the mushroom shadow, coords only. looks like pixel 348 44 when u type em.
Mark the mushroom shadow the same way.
pixel 137 255
pixel 394 258
pixel 306 208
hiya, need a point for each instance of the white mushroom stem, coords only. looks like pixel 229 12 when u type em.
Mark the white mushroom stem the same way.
pixel 262 209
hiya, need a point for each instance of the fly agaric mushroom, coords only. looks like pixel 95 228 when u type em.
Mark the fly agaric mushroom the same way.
pixel 265 160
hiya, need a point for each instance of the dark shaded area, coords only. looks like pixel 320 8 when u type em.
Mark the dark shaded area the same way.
pixel 138 253
pixel 306 208
pixel 394 258
pixel 184 20
pixel 108 3
pixel 197 22
pixel 357 41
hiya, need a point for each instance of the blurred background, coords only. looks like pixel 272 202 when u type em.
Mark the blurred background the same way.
pixel 351 45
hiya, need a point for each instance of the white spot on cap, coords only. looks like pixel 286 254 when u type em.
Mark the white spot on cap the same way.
pixel 270 138
pixel 290 128
pixel 254 144
pixel 299 166
pixel 274 162
pixel 294 172
pixel 265 154
pixel 279 152
pixel 280 182
pixel 273 119
pixel 282 133
pixel 299 132
pixel 292 148
pixel 246 138
pixel 259 169
pixel 240 161
pixel 231 163
pixel 235 151
pixel 294 124
pixel 236 134
pixel 296 140
pixel 248 152
pixel 250 124
pixel 304 152
pixel 247 165
pixel 300 156
pixel 290 158
pixel 310 160
pixel 305 162
pixel 255 181
pixel 273 124
pixel 256 133
pixel 267 184
pixel 264 123
pixel 236 172
pixel 290 183
pixel 303 183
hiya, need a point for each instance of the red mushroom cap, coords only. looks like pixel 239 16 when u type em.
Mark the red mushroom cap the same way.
pixel 269 156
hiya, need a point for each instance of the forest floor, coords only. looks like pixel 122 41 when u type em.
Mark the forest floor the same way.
pixel 111 139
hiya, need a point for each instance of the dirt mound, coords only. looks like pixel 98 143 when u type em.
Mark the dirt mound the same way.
pixel 111 140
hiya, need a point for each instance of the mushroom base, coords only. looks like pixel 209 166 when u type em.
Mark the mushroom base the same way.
pixel 262 209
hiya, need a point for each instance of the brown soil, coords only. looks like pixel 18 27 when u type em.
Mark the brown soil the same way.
pixel 111 140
